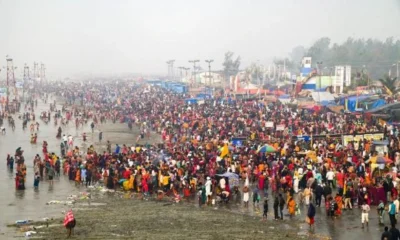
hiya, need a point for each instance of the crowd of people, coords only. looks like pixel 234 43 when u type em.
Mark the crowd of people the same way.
pixel 199 156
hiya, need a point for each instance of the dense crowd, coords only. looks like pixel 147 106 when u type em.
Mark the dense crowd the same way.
pixel 200 157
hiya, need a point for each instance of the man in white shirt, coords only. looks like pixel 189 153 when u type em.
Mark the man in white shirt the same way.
pixel 329 176
pixel 65 140
pixel 364 214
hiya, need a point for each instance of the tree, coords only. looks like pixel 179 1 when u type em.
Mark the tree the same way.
pixel 390 84
pixel 297 55
pixel 231 67
pixel 320 50
pixel 254 73
pixel 373 55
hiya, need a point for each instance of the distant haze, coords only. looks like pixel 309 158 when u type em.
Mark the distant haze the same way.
pixel 107 37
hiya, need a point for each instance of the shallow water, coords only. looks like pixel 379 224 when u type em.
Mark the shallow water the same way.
pixel 30 203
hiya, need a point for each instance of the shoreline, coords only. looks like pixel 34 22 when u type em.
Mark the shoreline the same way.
pixel 117 215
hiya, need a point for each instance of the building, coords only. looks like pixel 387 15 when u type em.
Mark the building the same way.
pixel 310 80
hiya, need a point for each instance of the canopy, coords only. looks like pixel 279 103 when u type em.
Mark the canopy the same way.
pixel 266 148
pixel 233 178
pixel 379 160
pixel 229 175
pixel 322 96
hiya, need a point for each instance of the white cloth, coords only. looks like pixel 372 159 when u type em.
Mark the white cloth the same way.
pixel 246 196
pixel 208 187
pixel 330 175
pixel 364 217
pixel 222 183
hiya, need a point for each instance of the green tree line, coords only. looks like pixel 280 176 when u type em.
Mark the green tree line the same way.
pixel 366 56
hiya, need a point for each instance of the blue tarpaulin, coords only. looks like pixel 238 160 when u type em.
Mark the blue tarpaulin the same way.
pixel 328 103
pixel 203 96
pixel 378 103
pixel 191 101
pixel 352 102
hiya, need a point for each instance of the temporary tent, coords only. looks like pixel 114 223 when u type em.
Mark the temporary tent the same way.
pixel 322 96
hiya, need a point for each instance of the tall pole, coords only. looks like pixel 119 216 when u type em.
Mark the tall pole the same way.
pixel 181 68
pixel 26 80
pixel 209 61
pixel 10 78
pixel 194 70
pixel 186 70
pixel 42 73
pixel 319 65
pixel 170 69
pixel 284 68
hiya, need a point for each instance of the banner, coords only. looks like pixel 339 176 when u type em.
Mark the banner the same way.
pixel 269 124
pixel 359 138
pixel 378 136
pixel 280 127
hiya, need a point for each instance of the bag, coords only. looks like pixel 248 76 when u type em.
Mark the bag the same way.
pixel 308 220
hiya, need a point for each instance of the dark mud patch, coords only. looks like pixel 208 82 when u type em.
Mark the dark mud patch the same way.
pixel 122 218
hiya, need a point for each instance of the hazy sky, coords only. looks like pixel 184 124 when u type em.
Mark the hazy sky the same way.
pixel 120 36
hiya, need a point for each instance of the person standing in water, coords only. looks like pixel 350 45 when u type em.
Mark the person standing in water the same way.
pixel 36 180
pixel 265 213
pixel 311 215
pixel 100 136
pixel 50 174
pixel 364 214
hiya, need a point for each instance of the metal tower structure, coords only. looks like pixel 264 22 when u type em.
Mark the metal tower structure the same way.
pixel 171 69
pixel 42 73
pixel 10 79
pixel 180 69
pixel 26 72
pixel 194 70
pixel 35 71
pixel 209 71
pixel 26 80
pixel 186 71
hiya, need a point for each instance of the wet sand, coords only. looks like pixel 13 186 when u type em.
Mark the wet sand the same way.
pixel 130 218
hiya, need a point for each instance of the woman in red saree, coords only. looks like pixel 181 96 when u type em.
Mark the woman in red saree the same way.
pixel 339 201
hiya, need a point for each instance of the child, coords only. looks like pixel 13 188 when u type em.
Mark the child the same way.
pixel 311 215
pixel 364 214
pixel 246 196
pixel 265 214
pixel 256 197
pixel 381 209
pixel 36 180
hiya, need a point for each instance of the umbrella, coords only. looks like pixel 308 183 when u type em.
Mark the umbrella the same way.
pixel 233 178
pixel 383 160
pixel 229 175
pixel 266 148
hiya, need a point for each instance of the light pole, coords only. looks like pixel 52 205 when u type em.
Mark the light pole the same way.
pixel 186 71
pixel 181 68
pixel 319 65
pixel 170 68
pixel 194 68
pixel 397 69
pixel 209 69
